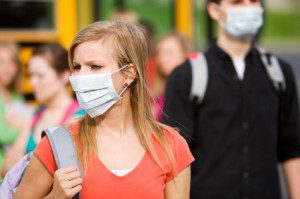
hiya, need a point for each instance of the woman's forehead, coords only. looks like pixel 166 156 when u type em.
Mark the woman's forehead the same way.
pixel 93 50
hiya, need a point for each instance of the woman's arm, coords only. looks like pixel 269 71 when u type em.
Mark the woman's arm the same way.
pixel 179 187
pixel 36 183
pixel 292 173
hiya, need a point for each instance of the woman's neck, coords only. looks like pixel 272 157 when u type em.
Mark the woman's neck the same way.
pixel 233 47
pixel 118 120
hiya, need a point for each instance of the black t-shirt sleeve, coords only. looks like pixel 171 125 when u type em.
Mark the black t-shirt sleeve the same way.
pixel 178 109
pixel 289 135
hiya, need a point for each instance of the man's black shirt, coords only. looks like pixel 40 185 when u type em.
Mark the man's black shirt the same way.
pixel 235 137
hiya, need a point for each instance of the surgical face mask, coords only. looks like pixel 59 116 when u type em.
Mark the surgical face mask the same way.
pixel 95 92
pixel 243 22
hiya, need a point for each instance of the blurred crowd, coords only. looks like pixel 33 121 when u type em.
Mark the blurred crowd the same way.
pixel 21 123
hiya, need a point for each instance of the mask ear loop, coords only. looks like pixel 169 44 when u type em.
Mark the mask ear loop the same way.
pixel 120 69
pixel 124 89
pixel 126 85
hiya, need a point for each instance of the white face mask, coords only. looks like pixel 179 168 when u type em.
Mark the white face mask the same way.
pixel 243 22
pixel 95 92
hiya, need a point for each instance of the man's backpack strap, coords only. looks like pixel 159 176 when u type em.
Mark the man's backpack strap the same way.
pixel 273 69
pixel 199 77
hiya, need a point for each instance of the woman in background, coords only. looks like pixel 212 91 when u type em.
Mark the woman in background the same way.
pixel 49 79
pixel 171 51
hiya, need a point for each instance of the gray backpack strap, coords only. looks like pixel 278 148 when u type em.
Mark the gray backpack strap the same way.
pixel 199 77
pixel 63 147
pixel 273 69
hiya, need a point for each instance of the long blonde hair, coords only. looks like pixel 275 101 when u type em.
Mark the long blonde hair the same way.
pixel 129 47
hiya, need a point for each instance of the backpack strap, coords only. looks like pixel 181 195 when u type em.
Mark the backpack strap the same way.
pixel 199 77
pixel 273 69
pixel 63 148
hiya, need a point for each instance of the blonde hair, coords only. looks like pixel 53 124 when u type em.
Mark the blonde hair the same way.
pixel 129 47
pixel 14 50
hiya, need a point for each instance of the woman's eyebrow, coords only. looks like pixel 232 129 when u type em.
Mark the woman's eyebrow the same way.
pixel 99 62
pixel 236 1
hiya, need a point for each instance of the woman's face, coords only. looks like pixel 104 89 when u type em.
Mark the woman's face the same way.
pixel 169 55
pixel 45 81
pixel 8 67
pixel 94 57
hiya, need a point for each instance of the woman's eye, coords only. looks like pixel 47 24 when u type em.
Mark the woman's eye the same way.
pixel 76 67
pixel 95 67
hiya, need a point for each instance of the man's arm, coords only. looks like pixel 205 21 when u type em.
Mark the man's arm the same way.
pixel 289 136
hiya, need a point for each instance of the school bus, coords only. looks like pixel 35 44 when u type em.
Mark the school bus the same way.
pixel 32 22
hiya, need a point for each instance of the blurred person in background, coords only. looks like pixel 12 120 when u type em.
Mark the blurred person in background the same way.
pixel 148 30
pixel 10 99
pixel 49 71
pixel 171 51
pixel 124 15
pixel 244 125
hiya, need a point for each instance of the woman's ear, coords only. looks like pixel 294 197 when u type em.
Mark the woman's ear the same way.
pixel 131 73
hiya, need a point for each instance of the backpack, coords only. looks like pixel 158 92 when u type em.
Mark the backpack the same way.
pixel 200 74
pixel 64 151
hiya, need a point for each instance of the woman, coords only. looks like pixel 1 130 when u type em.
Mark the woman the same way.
pixel 49 72
pixel 124 151
pixel 171 51
pixel 10 70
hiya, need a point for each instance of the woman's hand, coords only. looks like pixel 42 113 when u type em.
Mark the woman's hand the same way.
pixel 67 183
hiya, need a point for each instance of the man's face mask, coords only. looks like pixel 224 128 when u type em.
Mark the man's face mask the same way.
pixel 95 92
pixel 243 22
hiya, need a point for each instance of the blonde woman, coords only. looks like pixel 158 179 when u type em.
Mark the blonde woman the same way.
pixel 124 151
